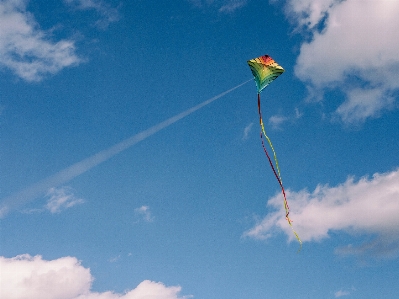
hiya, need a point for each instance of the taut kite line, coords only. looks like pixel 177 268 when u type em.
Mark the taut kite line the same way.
pixel 265 70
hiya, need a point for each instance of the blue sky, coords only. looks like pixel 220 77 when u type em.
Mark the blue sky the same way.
pixel 111 187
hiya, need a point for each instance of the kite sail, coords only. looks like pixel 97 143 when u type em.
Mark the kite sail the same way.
pixel 266 70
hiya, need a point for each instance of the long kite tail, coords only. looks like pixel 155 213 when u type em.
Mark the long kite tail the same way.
pixel 276 173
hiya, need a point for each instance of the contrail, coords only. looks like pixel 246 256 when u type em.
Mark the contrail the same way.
pixel 19 198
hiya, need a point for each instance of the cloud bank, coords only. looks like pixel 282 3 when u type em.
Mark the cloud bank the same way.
pixel 26 277
pixel 27 50
pixel 369 206
pixel 352 47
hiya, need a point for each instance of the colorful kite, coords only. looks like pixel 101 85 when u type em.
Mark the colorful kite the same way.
pixel 265 70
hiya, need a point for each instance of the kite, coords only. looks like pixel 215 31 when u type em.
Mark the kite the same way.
pixel 266 70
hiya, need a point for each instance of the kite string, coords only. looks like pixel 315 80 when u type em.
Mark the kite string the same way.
pixel 277 174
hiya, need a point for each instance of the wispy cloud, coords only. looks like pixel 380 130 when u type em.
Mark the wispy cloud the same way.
pixel 115 259
pixel 66 278
pixel 341 293
pixel 298 114
pixel 368 206
pixel 277 120
pixel 222 6
pixel 247 130
pixel 60 199
pixel 108 13
pixel 232 6
pixel 352 47
pixel 27 50
pixel 145 213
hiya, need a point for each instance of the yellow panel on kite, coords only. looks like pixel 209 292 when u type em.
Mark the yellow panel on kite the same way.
pixel 265 70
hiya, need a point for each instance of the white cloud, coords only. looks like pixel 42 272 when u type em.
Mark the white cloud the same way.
pixel 61 198
pixel 353 47
pixel 25 277
pixel 308 13
pixel 362 103
pixel 26 49
pixel 366 207
pixel 145 213
pixel 108 14
pixel 32 277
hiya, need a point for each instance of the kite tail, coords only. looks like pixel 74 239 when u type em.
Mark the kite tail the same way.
pixel 269 141
pixel 277 174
